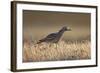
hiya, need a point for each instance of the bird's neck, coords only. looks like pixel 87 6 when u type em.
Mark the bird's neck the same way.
pixel 61 32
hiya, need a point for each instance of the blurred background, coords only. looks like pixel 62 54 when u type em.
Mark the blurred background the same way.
pixel 38 24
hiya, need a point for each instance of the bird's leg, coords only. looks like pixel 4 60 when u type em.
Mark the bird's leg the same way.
pixel 55 45
pixel 50 44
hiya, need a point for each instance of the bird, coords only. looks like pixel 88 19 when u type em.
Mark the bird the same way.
pixel 54 37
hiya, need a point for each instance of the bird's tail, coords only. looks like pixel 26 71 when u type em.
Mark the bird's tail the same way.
pixel 40 41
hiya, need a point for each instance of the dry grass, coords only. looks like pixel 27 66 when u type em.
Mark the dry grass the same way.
pixel 70 50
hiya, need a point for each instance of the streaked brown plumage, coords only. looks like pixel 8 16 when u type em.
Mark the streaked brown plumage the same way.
pixel 54 37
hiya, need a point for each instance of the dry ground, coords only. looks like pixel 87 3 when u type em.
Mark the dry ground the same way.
pixel 69 50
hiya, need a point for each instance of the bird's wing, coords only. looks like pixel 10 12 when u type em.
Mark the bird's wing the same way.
pixel 51 36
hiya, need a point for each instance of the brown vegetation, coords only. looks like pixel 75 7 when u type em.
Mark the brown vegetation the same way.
pixel 64 50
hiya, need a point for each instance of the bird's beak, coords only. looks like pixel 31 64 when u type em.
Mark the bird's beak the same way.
pixel 68 29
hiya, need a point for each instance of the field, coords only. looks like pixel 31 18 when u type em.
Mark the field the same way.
pixel 64 50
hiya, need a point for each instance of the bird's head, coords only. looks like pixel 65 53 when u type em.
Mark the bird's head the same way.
pixel 66 28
